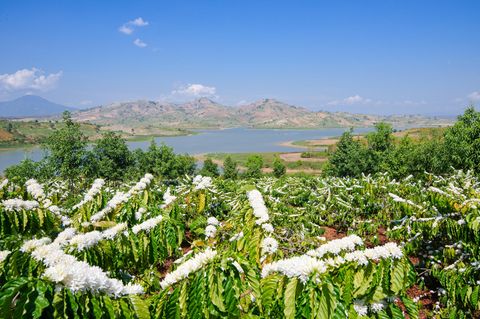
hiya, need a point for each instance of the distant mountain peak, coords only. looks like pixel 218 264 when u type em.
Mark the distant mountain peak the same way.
pixel 31 106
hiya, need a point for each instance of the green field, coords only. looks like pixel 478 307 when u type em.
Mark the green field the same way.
pixel 268 158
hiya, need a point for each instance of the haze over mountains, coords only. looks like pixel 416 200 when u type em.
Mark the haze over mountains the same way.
pixel 31 106
pixel 205 113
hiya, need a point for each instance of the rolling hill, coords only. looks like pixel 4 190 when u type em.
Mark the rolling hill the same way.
pixel 205 113
pixel 31 106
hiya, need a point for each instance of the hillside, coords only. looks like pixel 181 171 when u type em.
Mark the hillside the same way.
pixel 205 113
pixel 16 133
pixel 31 106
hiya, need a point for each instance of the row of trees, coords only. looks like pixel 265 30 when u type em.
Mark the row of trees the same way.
pixel 254 165
pixel 458 147
pixel 69 156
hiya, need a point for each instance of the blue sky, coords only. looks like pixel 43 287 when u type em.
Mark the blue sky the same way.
pixel 368 56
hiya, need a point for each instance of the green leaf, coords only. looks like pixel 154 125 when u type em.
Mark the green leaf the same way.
pixel 140 305
pixel 40 302
pixel 290 291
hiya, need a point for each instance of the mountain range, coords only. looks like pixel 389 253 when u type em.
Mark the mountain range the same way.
pixel 205 113
pixel 143 115
pixel 31 106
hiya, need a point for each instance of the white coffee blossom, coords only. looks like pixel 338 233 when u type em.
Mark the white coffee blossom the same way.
pixel 360 308
pixel 167 198
pixel 17 204
pixel 267 227
pixel 147 225
pixel 213 221
pixel 4 254
pixel 260 211
pixel 202 182
pixel 336 246
pixel 269 245
pixel 300 267
pixel 192 265
pixel 210 231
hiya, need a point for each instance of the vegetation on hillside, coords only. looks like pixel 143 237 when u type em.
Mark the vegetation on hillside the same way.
pixel 456 148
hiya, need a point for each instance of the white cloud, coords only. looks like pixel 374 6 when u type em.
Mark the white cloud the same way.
pixel 196 90
pixel 128 27
pixel 351 100
pixel 125 29
pixel 139 22
pixel 29 79
pixel 474 96
pixel 139 43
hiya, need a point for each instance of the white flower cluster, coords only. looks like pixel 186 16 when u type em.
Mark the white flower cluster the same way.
pixel 116 200
pixel 202 182
pixel 4 254
pixel 4 183
pixel 269 245
pixel 362 309
pixel 92 192
pixel 141 185
pixel 167 198
pixel 236 265
pixel 121 198
pixel 147 225
pixel 361 257
pixel 86 240
pixel 211 229
pixel 301 267
pixel 32 244
pixel 237 236
pixel 17 204
pixel 65 236
pixel 259 209
pixel 35 189
pixel 139 213
pixel 267 227
pixel 79 275
pixel 188 267
pixel 336 246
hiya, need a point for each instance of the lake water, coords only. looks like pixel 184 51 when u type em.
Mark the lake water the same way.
pixel 237 140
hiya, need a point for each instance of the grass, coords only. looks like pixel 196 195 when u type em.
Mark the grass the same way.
pixel 268 158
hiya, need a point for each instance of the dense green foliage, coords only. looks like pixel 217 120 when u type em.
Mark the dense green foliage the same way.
pixel 209 168
pixel 230 169
pixel 254 166
pixel 435 221
pixel 279 168
pixel 457 148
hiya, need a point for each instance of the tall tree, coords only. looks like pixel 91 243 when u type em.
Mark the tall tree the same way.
pixel 230 170
pixel 66 149
pixel 279 168
pixel 112 156
pixel 349 158
pixel 209 168
pixel 254 166
pixel 462 141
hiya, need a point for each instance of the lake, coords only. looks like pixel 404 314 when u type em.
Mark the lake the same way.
pixel 236 140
